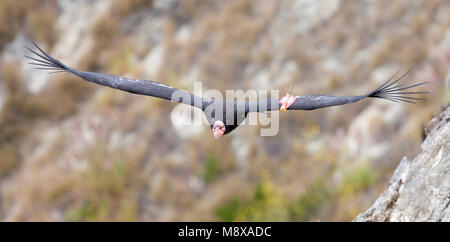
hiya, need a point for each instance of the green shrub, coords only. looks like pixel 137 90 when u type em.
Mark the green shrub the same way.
pixel 210 170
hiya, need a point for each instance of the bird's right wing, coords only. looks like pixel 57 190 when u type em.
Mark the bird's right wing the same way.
pixel 44 61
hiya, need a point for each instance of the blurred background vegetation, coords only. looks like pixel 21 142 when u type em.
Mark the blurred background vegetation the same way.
pixel 71 151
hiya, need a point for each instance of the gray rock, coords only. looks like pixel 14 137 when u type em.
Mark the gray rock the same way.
pixel 419 190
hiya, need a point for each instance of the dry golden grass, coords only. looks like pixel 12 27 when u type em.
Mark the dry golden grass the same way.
pixel 123 8
pixel 137 168
pixel 23 109
pixel 37 17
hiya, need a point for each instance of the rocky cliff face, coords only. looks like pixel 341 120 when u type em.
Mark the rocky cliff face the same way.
pixel 419 190
pixel 72 151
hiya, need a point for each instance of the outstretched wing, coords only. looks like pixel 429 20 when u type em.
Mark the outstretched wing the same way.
pixel 391 90
pixel 44 61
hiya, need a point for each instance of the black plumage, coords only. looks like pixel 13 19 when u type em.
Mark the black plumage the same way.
pixel 231 113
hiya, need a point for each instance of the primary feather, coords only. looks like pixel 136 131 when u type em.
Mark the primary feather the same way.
pixel 228 113
pixel 396 93
pixel 44 61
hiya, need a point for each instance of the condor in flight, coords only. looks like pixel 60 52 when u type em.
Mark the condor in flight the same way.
pixel 224 116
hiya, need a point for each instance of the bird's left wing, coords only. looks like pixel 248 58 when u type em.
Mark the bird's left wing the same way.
pixel 391 90
pixel 44 61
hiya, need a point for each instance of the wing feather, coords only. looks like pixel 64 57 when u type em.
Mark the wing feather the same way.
pixel 44 61
pixel 387 91
pixel 390 90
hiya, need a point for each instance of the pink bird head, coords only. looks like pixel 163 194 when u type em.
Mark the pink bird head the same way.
pixel 218 129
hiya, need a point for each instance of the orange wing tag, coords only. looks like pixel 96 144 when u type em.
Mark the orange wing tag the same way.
pixel 286 101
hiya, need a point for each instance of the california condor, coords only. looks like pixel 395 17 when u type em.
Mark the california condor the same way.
pixel 224 116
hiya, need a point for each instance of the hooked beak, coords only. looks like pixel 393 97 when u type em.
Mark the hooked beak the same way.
pixel 217 133
pixel 283 108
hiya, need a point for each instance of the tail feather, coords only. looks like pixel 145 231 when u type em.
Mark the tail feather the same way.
pixel 395 93
pixel 43 61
